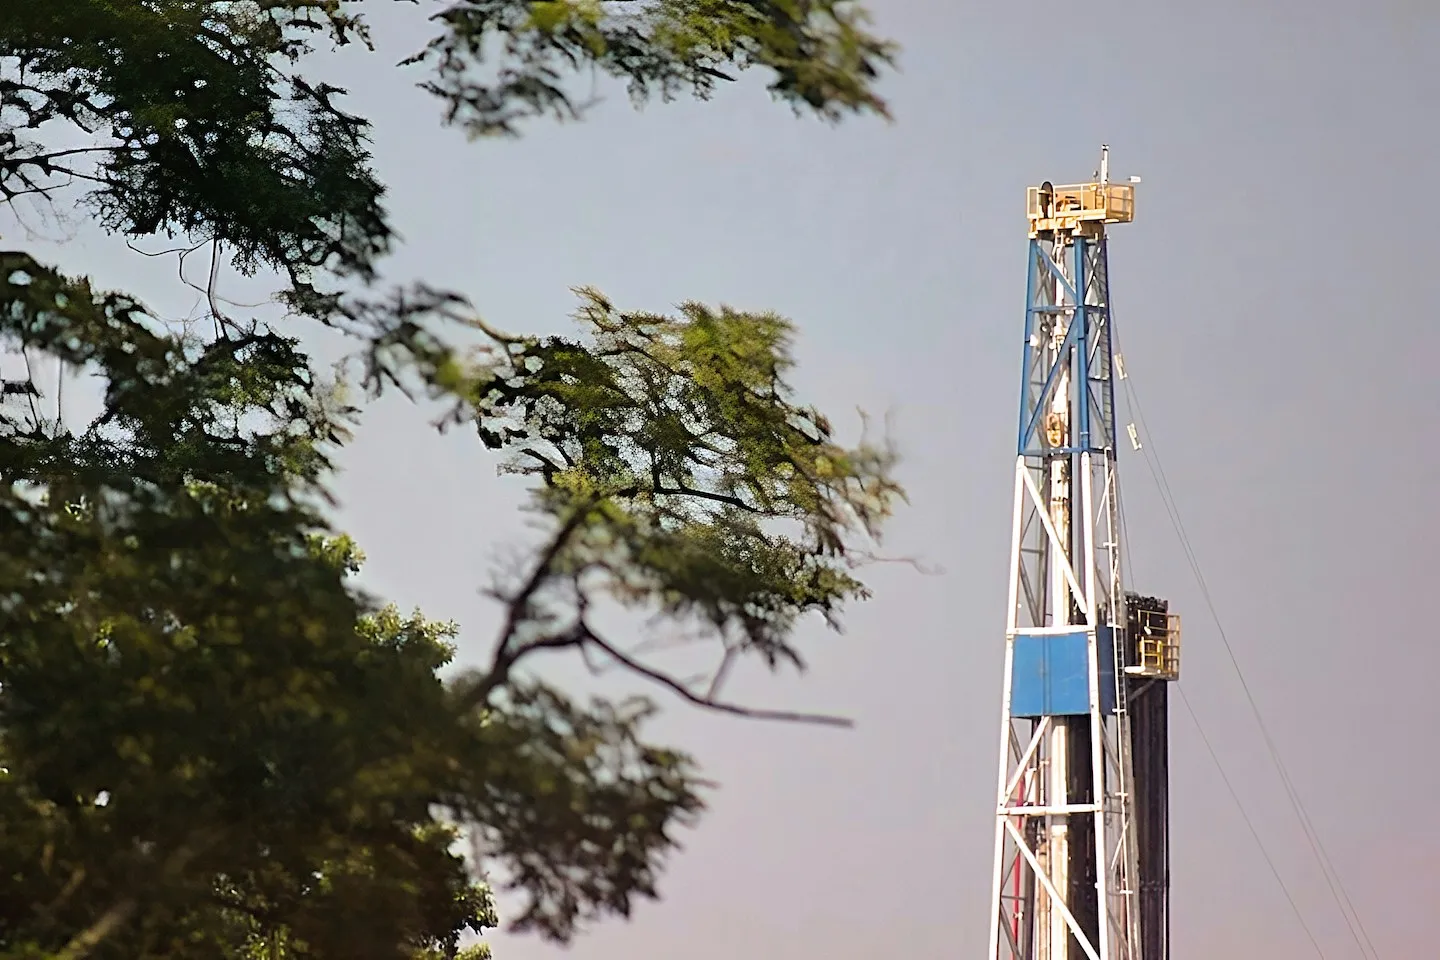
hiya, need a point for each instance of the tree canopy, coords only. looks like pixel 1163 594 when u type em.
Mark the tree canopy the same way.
pixel 212 742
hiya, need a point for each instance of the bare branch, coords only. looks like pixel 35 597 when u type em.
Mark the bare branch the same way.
pixel 507 654
pixel 698 700
pixel 684 491
pixel 722 672
pixel 84 942
pixel 549 467
pixel 919 566
pixel 164 253
pixel 505 660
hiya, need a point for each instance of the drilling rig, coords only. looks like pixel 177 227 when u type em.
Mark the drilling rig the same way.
pixel 1081 868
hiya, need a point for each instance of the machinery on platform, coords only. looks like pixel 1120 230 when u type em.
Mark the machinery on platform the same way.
pixel 1081 865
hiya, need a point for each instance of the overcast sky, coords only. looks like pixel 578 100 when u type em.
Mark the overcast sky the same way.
pixel 1274 301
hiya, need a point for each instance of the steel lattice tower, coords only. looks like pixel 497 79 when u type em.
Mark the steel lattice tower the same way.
pixel 1081 833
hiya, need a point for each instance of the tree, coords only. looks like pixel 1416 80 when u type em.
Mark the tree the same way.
pixel 212 743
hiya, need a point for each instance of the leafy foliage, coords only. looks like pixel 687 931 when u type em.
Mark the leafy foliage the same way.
pixel 299 785
pixel 172 408
pixel 194 122
pixel 817 51
pixel 212 743
pixel 679 474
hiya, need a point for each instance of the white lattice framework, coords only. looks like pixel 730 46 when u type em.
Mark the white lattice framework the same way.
pixel 1065 863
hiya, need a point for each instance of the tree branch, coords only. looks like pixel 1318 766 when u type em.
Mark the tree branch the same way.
pixel 85 942
pixel 92 936
pixel 506 653
pixel 704 701
pixel 685 491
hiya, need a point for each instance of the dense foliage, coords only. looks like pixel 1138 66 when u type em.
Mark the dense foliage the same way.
pixel 211 743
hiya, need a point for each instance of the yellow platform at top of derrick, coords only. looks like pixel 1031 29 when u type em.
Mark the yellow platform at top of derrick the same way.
pixel 1078 207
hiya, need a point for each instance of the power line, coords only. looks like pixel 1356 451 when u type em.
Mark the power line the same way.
pixel 1259 844
pixel 1332 878
pixel 1229 786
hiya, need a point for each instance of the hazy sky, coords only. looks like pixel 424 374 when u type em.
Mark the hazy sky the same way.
pixel 1274 302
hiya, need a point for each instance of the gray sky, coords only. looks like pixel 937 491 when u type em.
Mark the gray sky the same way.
pixel 1272 304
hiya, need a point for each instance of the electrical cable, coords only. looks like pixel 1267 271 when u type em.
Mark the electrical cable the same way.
pixel 1332 878
pixel 1229 785
pixel 1260 844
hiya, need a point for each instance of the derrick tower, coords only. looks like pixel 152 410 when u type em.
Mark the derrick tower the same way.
pixel 1081 864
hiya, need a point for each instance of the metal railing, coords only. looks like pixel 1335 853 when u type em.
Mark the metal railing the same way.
pixel 1158 646
pixel 1107 202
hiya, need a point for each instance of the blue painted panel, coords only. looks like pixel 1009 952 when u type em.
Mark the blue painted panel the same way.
pixel 1050 675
